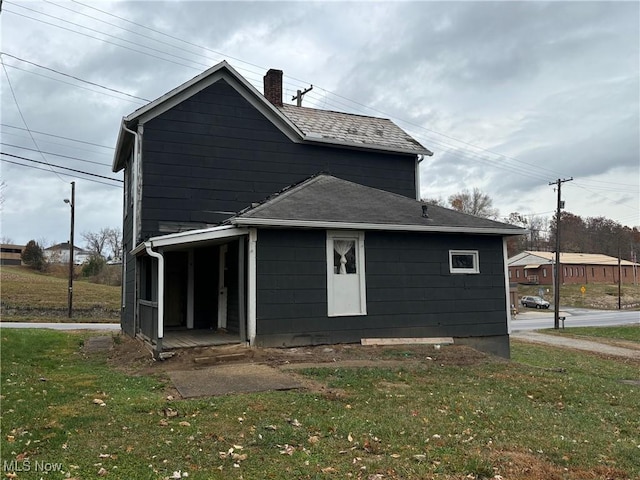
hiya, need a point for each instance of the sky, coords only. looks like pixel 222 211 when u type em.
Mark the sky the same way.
pixel 509 96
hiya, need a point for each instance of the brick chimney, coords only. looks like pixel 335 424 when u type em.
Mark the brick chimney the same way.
pixel 273 86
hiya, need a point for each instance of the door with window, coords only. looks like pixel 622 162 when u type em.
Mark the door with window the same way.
pixel 346 290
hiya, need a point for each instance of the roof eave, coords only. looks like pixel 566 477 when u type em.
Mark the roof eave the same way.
pixel 366 146
pixel 273 222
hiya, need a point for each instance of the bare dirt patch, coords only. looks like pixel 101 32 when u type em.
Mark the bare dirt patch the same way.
pixel 134 357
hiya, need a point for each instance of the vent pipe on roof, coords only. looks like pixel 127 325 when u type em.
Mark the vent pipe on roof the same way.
pixel 273 86
pixel 425 212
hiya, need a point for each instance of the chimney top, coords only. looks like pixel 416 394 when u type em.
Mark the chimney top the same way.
pixel 273 86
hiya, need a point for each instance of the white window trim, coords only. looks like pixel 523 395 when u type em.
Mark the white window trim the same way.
pixel 360 263
pixel 476 261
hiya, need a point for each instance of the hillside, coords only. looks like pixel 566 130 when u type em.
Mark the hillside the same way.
pixel 30 296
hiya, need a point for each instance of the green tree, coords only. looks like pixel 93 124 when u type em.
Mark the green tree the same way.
pixel 33 256
pixel 93 265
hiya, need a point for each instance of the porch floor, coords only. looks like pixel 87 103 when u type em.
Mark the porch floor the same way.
pixel 197 338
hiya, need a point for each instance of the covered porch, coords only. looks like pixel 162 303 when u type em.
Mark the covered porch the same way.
pixel 191 289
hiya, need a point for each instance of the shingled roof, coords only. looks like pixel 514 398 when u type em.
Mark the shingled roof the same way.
pixel 352 129
pixel 324 201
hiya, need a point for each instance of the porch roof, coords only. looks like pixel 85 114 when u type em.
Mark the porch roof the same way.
pixel 324 201
pixel 192 236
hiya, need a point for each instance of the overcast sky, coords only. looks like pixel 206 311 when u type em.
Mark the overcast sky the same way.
pixel 509 96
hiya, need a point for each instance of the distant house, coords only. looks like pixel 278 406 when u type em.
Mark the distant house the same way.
pixel 537 268
pixel 11 254
pixel 60 254
pixel 279 225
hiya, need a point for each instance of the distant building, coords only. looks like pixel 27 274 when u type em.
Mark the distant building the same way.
pixel 60 254
pixel 11 254
pixel 536 268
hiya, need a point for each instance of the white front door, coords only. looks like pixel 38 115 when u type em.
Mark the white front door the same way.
pixel 346 291
pixel 222 288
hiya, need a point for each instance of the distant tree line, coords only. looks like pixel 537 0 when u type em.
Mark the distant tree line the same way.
pixel 577 234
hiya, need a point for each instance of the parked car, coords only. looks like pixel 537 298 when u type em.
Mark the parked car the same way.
pixel 534 302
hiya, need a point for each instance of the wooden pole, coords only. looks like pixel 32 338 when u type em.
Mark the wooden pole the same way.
pixel 71 247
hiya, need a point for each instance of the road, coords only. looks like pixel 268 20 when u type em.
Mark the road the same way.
pixel 529 319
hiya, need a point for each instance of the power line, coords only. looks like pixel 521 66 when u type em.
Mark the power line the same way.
pixel 57 136
pixel 56 154
pixel 101 39
pixel 73 76
pixel 74 85
pixel 61 173
pixel 15 99
pixel 58 166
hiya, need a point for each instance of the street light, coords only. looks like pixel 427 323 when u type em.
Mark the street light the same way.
pixel 72 205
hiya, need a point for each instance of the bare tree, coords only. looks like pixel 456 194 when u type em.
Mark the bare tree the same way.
pixel 474 203
pixel 114 242
pixel 96 241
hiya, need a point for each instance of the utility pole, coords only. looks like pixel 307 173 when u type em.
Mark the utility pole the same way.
pixel 556 280
pixel 300 94
pixel 72 204
pixel 619 277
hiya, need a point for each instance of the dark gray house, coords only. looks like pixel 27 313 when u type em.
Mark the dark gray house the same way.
pixel 275 225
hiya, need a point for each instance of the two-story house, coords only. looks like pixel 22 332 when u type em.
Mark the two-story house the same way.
pixel 278 225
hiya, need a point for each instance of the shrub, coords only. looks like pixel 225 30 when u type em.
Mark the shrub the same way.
pixel 93 266
pixel 33 256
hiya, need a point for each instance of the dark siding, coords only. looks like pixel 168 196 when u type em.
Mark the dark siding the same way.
pixel 129 279
pixel 231 280
pixel 215 152
pixel 410 292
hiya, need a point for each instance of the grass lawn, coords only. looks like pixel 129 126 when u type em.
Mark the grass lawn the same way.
pixel 548 414
pixel 31 296
pixel 629 333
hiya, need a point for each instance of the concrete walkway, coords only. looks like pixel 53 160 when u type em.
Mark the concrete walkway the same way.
pixel 576 343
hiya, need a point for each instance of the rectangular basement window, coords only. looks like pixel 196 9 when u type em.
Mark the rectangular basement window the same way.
pixel 463 261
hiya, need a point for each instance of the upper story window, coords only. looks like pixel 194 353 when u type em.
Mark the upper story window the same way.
pixel 464 261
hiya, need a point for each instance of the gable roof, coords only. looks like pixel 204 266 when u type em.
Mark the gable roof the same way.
pixel 307 125
pixel 324 201
pixel 348 129
pixel 547 258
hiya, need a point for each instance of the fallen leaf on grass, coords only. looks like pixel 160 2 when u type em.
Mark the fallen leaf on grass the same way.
pixel 271 427
pixel 288 450
pixel 11 438
pixel 184 424
pixel 295 422
pixel 239 457
pixel 421 457
pixel 102 472
pixel 99 401
pixel 349 437
pixel 313 439
pixel 329 470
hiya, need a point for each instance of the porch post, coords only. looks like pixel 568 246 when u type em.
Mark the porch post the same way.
pixel 251 287
pixel 190 289
pixel 149 247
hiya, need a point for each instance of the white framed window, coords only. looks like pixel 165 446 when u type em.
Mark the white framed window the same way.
pixel 544 272
pixel 346 287
pixel 464 261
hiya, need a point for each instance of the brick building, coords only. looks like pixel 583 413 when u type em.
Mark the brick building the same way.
pixel 536 268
